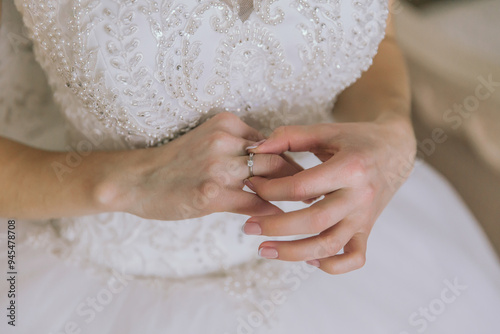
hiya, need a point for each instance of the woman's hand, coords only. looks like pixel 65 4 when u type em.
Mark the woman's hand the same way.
pixel 363 165
pixel 364 159
pixel 197 174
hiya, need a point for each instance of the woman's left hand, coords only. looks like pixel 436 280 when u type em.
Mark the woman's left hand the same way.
pixel 363 165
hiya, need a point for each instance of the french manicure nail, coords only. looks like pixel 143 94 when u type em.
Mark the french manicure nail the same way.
pixel 314 263
pixel 249 184
pixel 251 228
pixel 257 144
pixel 268 253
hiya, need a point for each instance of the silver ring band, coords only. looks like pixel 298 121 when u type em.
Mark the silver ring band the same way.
pixel 250 163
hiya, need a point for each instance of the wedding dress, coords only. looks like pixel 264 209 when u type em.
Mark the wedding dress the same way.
pixel 139 73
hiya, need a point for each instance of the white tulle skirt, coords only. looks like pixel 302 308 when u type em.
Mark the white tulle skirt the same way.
pixel 429 269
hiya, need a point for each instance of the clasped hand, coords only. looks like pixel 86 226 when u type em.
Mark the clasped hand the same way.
pixel 362 166
pixel 203 172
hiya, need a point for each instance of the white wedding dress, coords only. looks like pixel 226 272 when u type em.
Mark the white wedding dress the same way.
pixel 138 73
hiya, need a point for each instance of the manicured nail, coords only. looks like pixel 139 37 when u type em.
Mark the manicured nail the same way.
pixel 257 144
pixel 251 228
pixel 314 263
pixel 311 200
pixel 249 184
pixel 268 253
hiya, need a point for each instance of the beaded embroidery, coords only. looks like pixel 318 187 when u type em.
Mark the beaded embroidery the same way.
pixel 147 104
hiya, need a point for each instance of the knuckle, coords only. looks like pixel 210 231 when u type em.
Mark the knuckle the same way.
pixel 212 166
pixel 219 175
pixel 326 247
pixel 215 172
pixel 358 261
pixel 275 162
pixel 224 116
pixel 298 190
pixel 225 119
pixel 320 220
pixel 205 193
pixel 358 168
pixel 218 139
pixel 233 168
pixel 332 245
pixel 204 186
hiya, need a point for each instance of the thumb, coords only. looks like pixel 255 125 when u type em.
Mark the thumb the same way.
pixel 294 138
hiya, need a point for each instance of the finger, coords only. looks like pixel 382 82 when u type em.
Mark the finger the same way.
pixel 312 200
pixel 295 138
pixel 249 204
pixel 312 220
pixel 304 185
pixel 225 142
pixel 291 161
pixel 300 168
pixel 343 170
pixel 267 165
pixel 353 258
pixel 323 245
pixel 232 124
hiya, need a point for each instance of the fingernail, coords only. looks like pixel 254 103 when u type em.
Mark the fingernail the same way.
pixel 268 253
pixel 311 200
pixel 249 184
pixel 257 144
pixel 252 229
pixel 314 263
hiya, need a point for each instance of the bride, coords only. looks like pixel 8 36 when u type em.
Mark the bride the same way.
pixel 205 187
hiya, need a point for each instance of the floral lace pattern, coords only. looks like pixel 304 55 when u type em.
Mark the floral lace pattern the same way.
pixel 99 60
pixel 139 73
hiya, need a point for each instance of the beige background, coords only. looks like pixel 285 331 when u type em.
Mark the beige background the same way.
pixel 448 46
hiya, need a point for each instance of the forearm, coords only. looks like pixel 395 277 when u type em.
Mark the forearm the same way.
pixel 42 184
pixel 383 91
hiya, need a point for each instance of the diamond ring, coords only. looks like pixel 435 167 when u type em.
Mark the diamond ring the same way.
pixel 250 163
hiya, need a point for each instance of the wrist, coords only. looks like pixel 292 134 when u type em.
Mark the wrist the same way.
pixel 400 128
pixel 118 186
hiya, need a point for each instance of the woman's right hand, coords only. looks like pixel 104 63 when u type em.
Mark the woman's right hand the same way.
pixel 200 173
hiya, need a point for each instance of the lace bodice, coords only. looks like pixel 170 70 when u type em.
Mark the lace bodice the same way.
pixel 138 73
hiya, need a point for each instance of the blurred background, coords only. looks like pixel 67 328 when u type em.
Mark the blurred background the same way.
pixel 453 52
